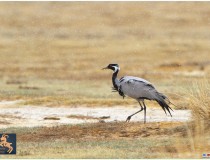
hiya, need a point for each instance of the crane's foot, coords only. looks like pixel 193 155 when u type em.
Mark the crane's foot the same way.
pixel 128 119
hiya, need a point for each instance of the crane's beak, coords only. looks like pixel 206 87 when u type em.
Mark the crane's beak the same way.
pixel 105 68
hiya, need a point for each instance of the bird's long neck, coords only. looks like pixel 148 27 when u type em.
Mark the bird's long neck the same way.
pixel 115 80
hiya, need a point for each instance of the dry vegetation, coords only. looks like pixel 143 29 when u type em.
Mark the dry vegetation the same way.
pixel 51 53
pixel 52 49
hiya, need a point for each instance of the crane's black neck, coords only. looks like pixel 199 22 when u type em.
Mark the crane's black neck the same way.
pixel 114 80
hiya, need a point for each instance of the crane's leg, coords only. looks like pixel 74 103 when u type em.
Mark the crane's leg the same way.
pixel 145 108
pixel 129 117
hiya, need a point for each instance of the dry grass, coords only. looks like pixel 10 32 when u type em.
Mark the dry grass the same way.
pixel 197 131
pixel 102 131
pixel 102 140
pixel 200 100
pixel 152 140
pixel 53 49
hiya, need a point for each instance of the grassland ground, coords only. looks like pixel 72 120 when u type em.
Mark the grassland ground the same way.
pixel 51 54
pixel 109 140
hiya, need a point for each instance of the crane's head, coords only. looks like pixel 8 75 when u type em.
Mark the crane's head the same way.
pixel 114 67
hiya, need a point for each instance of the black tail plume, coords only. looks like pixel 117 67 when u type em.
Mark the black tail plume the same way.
pixel 166 99
pixel 164 106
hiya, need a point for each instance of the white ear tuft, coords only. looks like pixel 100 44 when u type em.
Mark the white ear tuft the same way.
pixel 116 68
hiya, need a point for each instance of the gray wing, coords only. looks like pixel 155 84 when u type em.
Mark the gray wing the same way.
pixel 126 78
pixel 137 88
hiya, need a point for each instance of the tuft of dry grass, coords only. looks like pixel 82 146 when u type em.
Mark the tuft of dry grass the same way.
pixel 200 106
pixel 199 95
pixel 198 130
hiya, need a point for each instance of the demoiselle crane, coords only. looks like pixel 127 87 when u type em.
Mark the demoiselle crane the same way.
pixel 138 89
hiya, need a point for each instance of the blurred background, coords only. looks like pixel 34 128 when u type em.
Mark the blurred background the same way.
pixel 52 53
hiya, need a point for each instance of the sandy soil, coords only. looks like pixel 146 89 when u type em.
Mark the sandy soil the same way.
pixel 14 115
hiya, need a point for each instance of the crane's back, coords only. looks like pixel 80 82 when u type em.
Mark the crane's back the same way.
pixel 137 88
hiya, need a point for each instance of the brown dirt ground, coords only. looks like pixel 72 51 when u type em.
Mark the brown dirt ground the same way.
pixel 114 130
